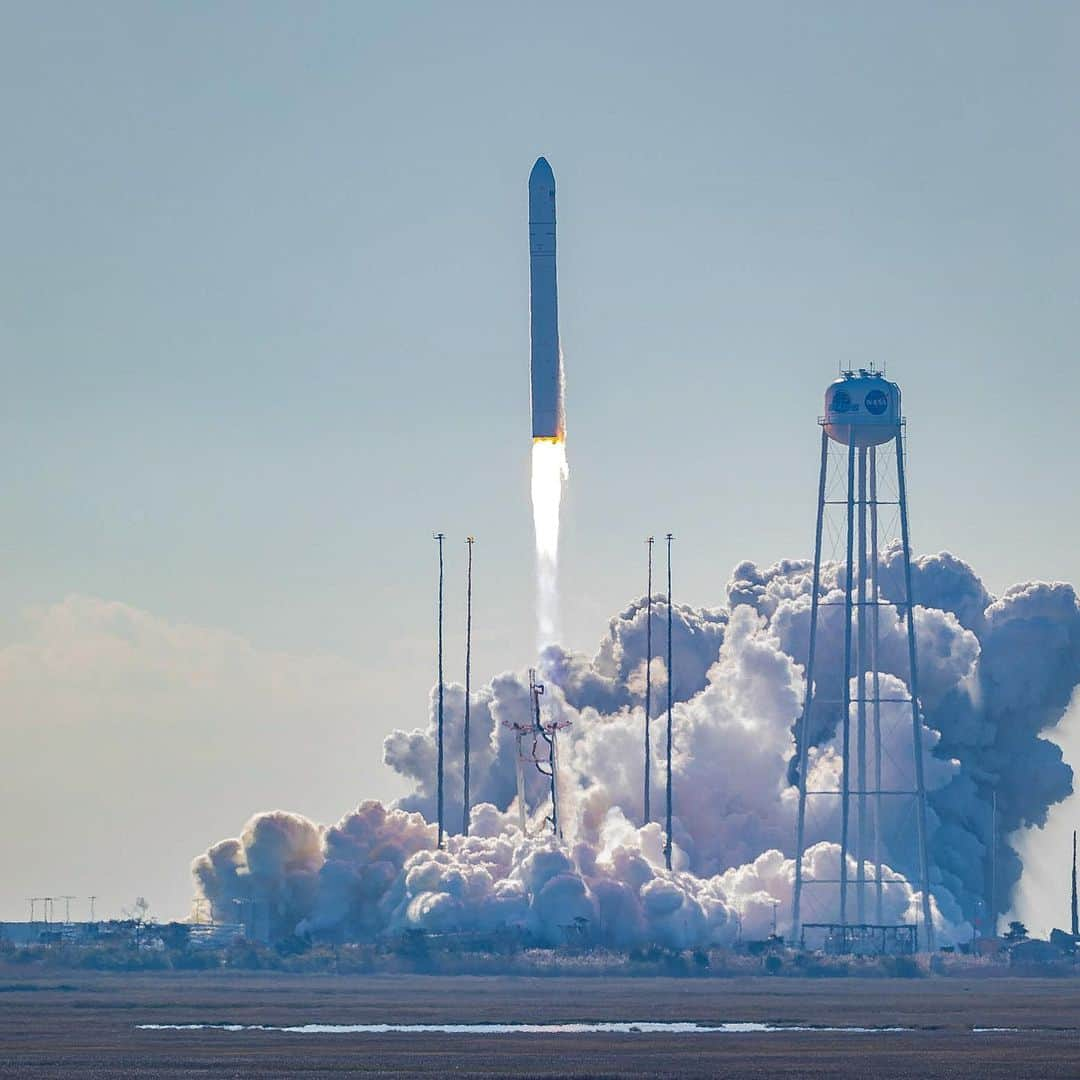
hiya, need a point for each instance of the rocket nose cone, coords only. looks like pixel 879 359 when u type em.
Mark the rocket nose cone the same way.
pixel 541 192
pixel 541 171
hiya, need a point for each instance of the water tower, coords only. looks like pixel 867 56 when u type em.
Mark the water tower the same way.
pixel 862 417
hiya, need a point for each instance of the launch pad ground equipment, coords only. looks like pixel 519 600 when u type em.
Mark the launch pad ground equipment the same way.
pixel 860 939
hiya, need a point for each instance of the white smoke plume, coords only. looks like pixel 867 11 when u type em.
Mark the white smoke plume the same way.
pixel 996 676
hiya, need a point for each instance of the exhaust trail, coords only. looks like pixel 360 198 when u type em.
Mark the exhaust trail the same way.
pixel 549 475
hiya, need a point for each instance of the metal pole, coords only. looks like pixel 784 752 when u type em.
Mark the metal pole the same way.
pixel 875 637
pixel 845 804
pixel 804 721
pixel 648 688
pixel 916 724
pixel 670 681
pixel 993 864
pixel 439 772
pixel 860 669
pixel 466 806
pixel 1075 911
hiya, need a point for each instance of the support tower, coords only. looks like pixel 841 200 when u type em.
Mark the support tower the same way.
pixel 863 422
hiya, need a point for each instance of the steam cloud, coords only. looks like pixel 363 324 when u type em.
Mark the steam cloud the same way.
pixel 996 674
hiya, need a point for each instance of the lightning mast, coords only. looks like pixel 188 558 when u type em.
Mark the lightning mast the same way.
pixel 440 537
pixel 670 683
pixel 469 540
pixel 648 686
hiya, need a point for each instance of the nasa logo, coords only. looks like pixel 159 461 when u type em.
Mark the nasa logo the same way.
pixel 841 402
pixel 877 402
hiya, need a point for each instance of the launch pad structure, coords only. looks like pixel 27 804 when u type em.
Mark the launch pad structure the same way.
pixel 862 414
pixel 867 939
pixel 541 735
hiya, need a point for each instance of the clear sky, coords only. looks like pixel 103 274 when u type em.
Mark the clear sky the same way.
pixel 264 325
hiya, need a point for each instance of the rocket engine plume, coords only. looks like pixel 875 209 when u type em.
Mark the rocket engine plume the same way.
pixel 549 474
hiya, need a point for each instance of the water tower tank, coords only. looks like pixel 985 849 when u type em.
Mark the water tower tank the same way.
pixel 864 406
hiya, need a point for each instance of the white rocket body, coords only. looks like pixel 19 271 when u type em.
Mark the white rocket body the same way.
pixel 548 417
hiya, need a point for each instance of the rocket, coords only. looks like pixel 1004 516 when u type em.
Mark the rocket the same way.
pixel 548 417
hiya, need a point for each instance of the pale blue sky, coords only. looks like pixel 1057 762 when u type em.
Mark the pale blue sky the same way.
pixel 264 325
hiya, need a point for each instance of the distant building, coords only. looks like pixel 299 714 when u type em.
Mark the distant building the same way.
pixel 988 946
pixel 1066 942
pixel 1033 953
pixel 214 935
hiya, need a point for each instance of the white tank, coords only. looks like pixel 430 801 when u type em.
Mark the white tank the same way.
pixel 864 407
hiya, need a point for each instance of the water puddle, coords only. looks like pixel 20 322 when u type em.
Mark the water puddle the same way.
pixel 644 1027
pixel 1020 1031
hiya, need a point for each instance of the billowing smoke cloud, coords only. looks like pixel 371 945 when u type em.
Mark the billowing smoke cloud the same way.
pixel 380 872
pixel 996 675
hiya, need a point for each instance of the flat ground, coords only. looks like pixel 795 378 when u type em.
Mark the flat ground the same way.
pixel 84 1024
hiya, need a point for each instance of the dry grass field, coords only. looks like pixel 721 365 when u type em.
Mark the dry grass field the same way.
pixel 85 1024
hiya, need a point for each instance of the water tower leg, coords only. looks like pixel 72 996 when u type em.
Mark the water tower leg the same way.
pixel 845 811
pixel 804 721
pixel 916 723
pixel 860 735
pixel 879 916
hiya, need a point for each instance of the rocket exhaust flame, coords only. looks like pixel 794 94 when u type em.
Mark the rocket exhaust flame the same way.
pixel 549 474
